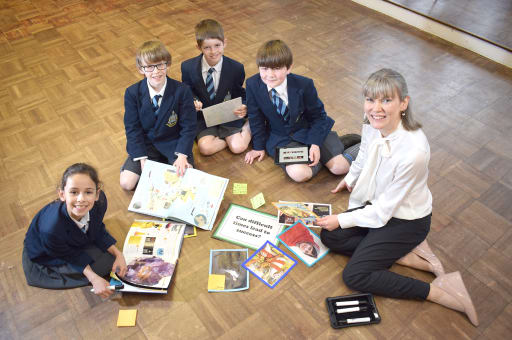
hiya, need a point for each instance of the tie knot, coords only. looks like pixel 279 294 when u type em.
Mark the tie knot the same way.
pixel 274 92
pixel 155 102
pixel 210 71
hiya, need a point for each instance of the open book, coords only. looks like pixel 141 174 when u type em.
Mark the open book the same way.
pixel 194 198
pixel 151 251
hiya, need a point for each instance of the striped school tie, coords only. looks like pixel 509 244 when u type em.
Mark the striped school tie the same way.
pixel 209 84
pixel 279 105
pixel 155 100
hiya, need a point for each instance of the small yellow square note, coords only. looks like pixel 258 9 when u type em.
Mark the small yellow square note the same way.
pixel 257 201
pixel 127 318
pixel 240 188
pixel 216 282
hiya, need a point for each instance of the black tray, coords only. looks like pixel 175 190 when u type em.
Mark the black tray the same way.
pixel 351 316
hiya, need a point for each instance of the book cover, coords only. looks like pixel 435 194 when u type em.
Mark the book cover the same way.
pixel 269 264
pixel 226 271
pixel 151 250
pixel 194 198
pixel 304 243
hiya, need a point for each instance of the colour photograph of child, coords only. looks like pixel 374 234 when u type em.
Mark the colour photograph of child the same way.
pixel 304 243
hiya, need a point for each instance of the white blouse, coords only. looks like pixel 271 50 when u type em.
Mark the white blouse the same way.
pixel 397 187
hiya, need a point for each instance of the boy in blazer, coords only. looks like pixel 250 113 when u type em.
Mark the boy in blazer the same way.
pixel 160 119
pixel 284 110
pixel 215 78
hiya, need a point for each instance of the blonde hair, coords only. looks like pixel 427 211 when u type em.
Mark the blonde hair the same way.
pixel 151 52
pixel 386 83
pixel 208 29
pixel 274 54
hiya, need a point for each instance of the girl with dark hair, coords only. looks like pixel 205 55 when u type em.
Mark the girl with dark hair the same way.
pixel 67 245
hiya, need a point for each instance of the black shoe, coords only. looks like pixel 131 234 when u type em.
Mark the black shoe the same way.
pixel 350 139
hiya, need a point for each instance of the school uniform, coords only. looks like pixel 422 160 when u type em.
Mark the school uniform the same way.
pixel 229 86
pixel 389 212
pixel 56 251
pixel 168 131
pixel 307 123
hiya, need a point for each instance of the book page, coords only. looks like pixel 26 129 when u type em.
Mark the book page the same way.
pixel 194 198
pixel 151 251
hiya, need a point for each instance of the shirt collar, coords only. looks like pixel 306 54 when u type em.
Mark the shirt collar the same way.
pixel 152 91
pixel 282 89
pixel 83 221
pixel 205 67
pixel 396 133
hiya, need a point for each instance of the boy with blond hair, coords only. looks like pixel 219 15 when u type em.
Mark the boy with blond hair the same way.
pixel 159 119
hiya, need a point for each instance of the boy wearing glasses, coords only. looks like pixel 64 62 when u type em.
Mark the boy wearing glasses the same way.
pixel 215 78
pixel 160 118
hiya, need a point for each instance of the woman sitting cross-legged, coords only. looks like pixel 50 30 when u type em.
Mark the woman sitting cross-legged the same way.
pixel 390 205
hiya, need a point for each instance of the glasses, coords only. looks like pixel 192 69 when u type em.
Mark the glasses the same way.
pixel 151 68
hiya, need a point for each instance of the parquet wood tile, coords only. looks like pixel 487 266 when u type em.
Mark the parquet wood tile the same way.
pixel 65 66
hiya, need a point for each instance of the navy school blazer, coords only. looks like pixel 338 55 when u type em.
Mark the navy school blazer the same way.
pixel 173 130
pixel 308 122
pixel 231 82
pixel 53 238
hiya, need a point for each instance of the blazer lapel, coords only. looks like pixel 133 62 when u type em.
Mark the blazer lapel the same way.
pixel 293 99
pixel 167 101
pixel 199 83
pixel 222 88
pixel 267 107
pixel 146 105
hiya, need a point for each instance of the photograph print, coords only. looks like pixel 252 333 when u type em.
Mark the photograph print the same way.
pixel 304 243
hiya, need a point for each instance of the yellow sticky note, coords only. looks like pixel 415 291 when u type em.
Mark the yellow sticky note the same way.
pixel 216 282
pixel 240 188
pixel 127 318
pixel 257 201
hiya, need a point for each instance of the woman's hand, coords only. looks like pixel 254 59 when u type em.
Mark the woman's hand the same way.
pixel 342 185
pixel 328 222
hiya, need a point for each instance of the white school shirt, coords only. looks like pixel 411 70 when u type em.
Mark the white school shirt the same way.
pixel 282 91
pixel 400 182
pixel 84 222
pixel 215 75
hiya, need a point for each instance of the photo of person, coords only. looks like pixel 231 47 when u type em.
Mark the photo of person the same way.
pixel 304 243
pixel 269 264
pixel 200 220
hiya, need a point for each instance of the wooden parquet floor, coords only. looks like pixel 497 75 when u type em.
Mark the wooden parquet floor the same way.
pixel 64 66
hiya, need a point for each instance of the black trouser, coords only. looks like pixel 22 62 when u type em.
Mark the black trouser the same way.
pixel 374 250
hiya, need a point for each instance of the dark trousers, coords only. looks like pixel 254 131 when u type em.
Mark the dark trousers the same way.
pixel 65 276
pixel 373 252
